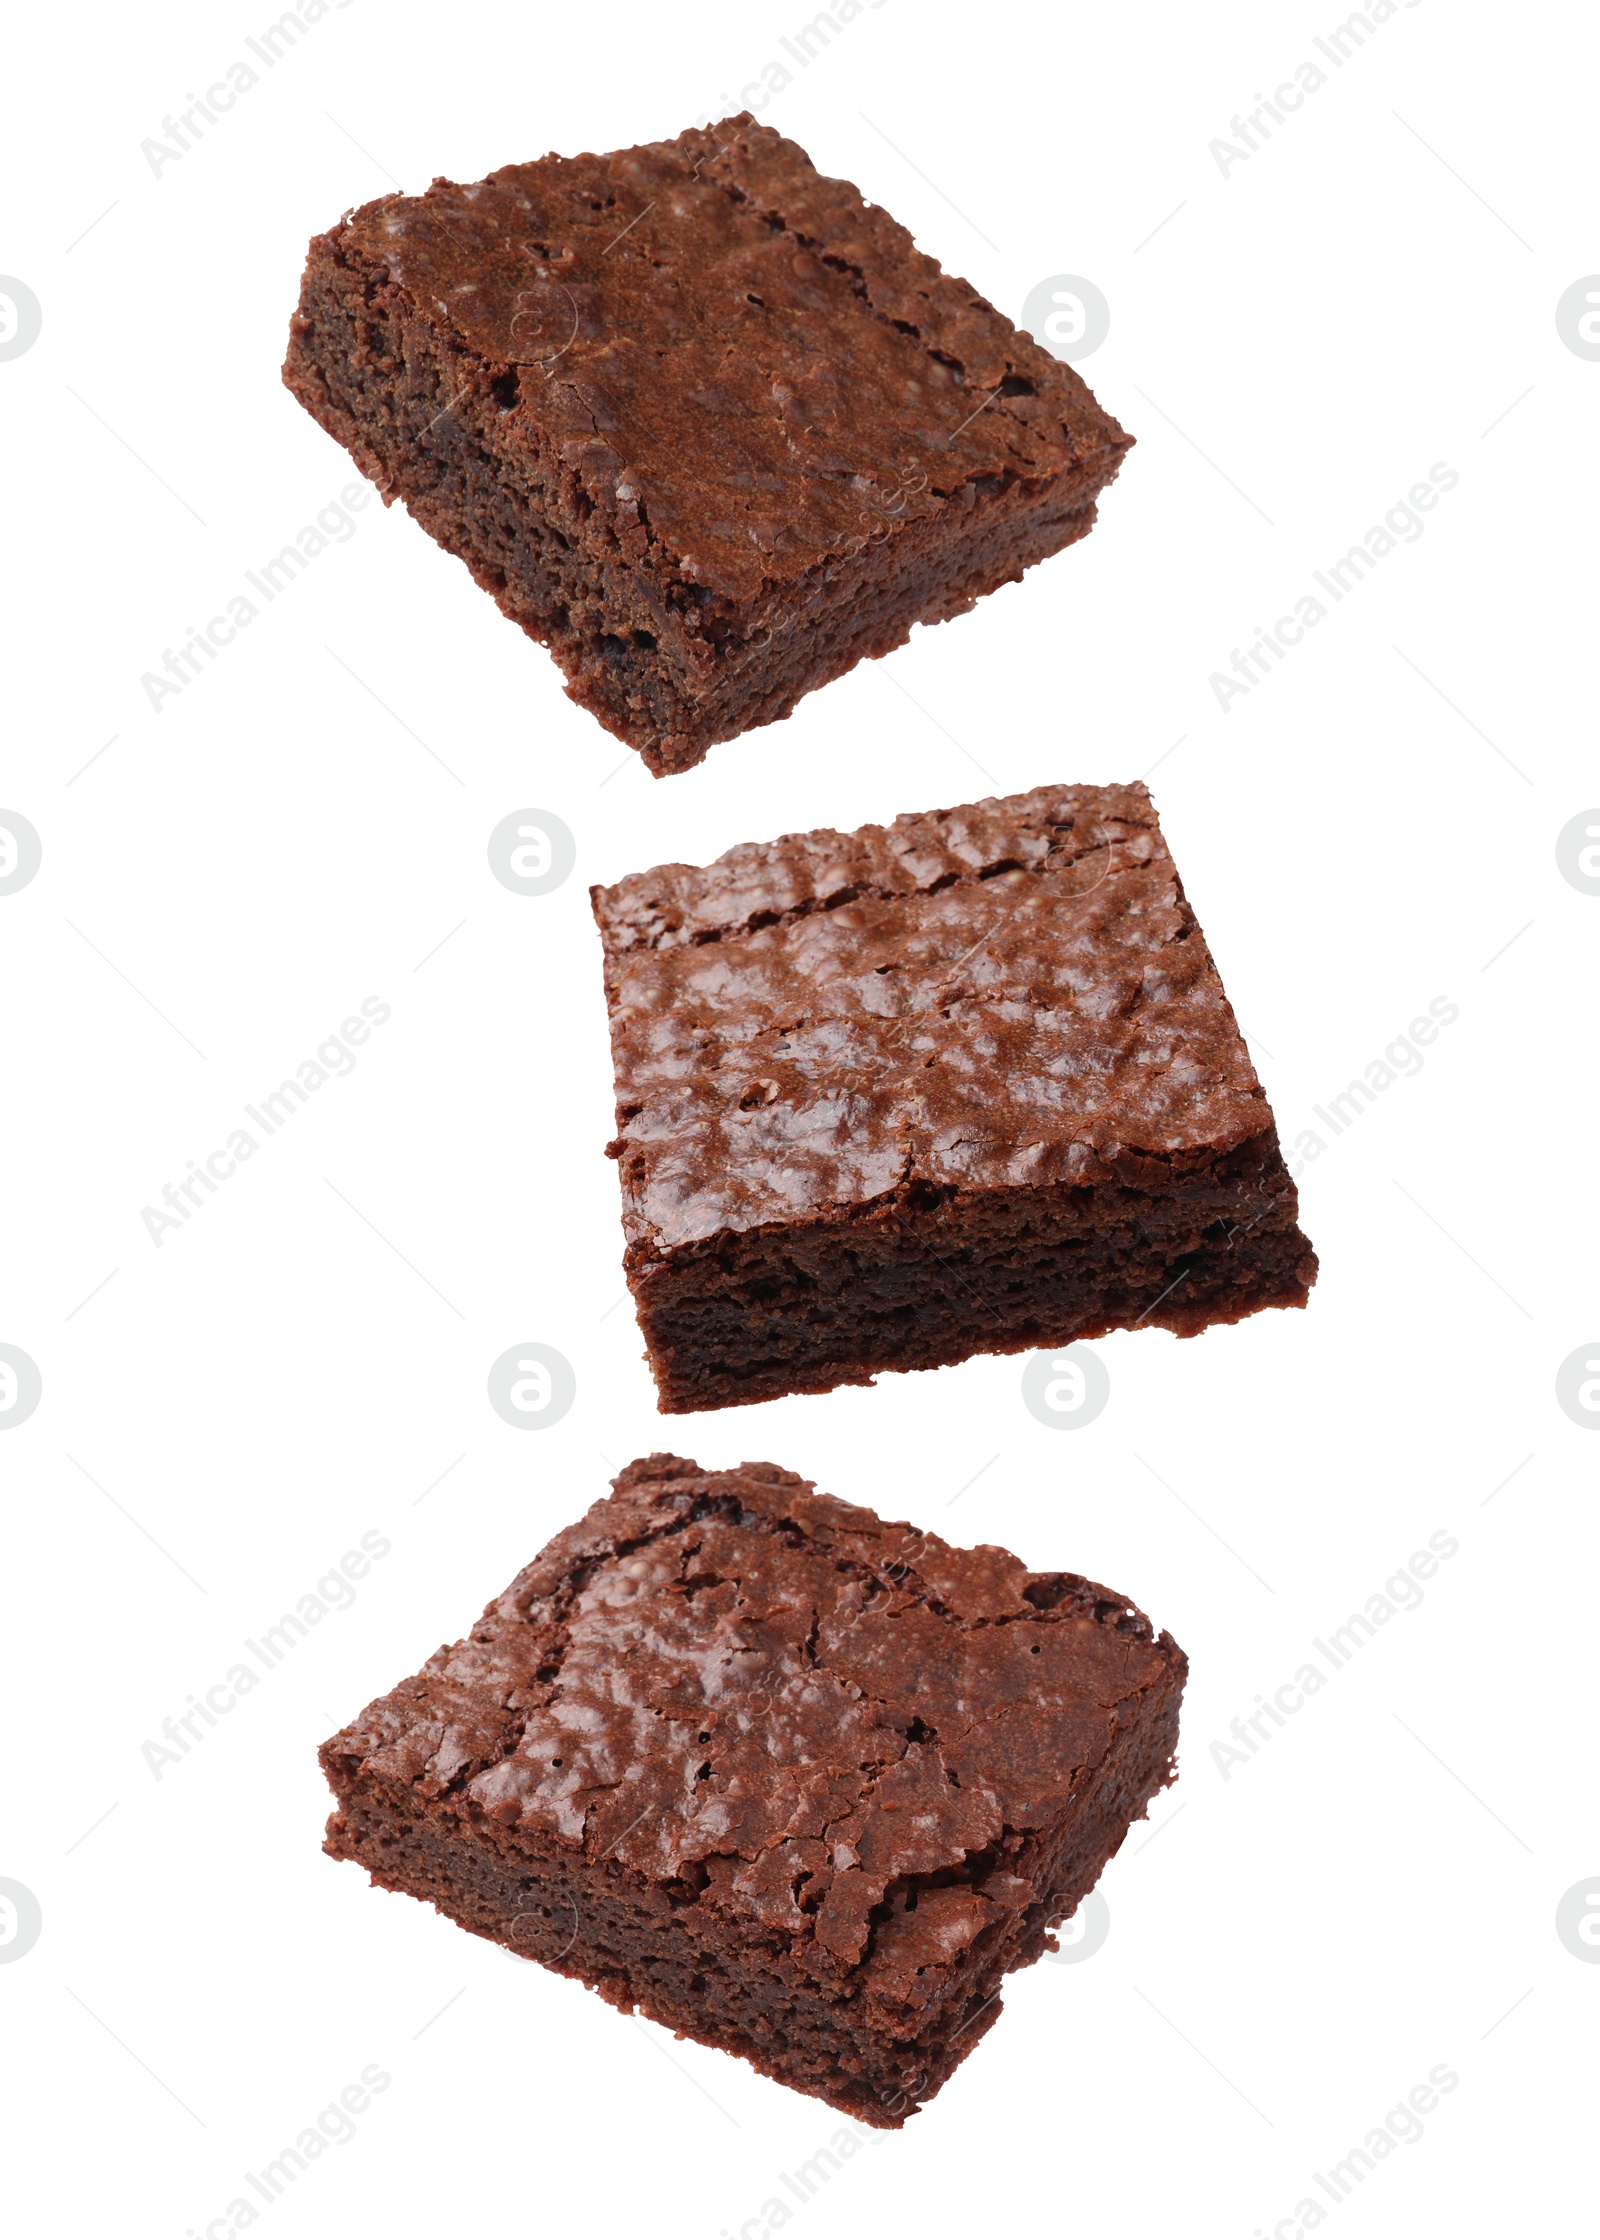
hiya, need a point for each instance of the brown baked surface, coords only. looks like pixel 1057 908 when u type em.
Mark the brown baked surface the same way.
pixel 966 1082
pixel 706 423
pixel 787 1778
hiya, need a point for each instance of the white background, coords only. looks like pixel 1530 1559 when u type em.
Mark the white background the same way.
pixel 1294 344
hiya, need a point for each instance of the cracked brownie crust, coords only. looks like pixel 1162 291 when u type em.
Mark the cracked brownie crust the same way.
pixel 705 423
pixel 791 1780
pixel 965 1083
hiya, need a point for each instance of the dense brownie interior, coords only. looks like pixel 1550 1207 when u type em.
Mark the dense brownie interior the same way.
pixel 793 1781
pixel 929 1276
pixel 703 422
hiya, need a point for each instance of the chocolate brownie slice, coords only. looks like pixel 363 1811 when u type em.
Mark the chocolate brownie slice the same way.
pixel 967 1083
pixel 788 1779
pixel 706 424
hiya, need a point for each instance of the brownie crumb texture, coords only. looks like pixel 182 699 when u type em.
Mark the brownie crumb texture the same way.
pixel 966 1083
pixel 792 1781
pixel 706 424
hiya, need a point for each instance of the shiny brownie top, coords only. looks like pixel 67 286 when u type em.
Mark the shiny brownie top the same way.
pixel 751 369
pixel 725 1681
pixel 1007 994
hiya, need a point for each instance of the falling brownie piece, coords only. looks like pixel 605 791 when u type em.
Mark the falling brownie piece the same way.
pixel 964 1084
pixel 708 425
pixel 792 1781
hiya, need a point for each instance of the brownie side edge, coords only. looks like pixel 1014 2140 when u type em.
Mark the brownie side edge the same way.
pixel 427 1738
pixel 875 2037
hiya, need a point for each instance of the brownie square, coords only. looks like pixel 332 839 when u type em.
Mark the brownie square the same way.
pixel 967 1083
pixel 795 1782
pixel 706 424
